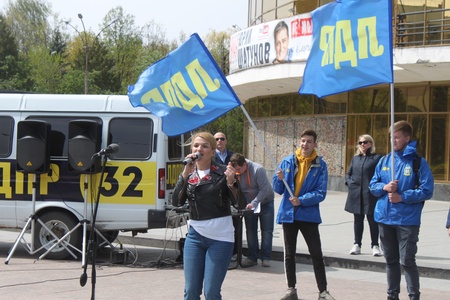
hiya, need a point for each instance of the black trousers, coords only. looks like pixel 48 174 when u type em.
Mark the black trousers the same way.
pixel 358 226
pixel 310 232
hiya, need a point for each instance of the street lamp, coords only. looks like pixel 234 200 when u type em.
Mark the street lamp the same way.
pixel 86 58
pixel 86 48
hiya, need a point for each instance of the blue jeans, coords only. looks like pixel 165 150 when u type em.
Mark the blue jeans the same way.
pixel 400 247
pixel 266 218
pixel 205 262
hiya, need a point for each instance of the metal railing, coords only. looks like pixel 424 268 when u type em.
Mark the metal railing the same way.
pixel 422 28
pixel 410 29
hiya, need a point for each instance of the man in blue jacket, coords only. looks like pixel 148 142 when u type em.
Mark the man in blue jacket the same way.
pixel 306 174
pixel 399 209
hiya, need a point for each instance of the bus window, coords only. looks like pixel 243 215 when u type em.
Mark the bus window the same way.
pixel 133 135
pixel 6 133
pixel 174 148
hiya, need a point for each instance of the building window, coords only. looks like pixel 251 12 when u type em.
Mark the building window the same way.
pixel 335 104
pixel 373 100
pixel 439 149
pixel 440 98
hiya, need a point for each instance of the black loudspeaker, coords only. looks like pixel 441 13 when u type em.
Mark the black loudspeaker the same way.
pixel 85 137
pixel 33 155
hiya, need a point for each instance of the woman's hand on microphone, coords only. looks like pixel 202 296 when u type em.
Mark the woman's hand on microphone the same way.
pixel 188 168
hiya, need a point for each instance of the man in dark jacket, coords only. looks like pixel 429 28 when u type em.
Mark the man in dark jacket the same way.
pixel 223 155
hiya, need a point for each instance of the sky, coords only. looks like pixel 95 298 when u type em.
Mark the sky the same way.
pixel 189 16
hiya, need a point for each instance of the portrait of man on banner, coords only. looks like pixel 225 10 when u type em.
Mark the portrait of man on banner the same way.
pixel 281 40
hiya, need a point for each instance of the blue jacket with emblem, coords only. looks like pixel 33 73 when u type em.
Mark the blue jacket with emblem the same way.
pixel 409 210
pixel 312 192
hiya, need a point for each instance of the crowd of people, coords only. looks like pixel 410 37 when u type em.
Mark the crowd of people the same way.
pixel 388 191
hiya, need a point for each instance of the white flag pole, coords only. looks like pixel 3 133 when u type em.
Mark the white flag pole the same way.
pixel 265 146
pixel 392 130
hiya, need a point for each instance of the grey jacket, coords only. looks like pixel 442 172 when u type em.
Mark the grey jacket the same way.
pixel 259 190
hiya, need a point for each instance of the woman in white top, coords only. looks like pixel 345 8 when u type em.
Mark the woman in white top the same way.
pixel 209 189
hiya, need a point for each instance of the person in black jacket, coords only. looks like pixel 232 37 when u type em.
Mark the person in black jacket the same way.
pixel 210 189
pixel 360 202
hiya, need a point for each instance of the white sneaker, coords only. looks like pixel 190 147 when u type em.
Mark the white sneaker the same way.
pixel 355 250
pixel 325 295
pixel 376 251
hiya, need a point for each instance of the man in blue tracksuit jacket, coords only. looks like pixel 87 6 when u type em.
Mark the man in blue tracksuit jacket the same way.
pixel 306 174
pixel 399 209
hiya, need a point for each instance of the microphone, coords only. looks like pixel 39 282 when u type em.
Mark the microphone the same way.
pixel 196 156
pixel 111 149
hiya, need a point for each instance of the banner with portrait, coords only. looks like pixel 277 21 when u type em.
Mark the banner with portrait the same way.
pixel 280 41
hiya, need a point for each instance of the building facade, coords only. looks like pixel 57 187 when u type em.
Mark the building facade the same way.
pixel 269 90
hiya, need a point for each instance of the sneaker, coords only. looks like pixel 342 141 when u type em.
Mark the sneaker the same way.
pixel 355 250
pixel 234 258
pixel 325 295
pixel 248 263
pixel 266 263
pixel 376 251
pixel 291 294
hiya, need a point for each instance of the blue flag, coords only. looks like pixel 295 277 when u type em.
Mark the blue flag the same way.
pixel 186 89
pixel 352 47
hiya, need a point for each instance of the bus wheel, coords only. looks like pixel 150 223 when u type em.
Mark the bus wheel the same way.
pixel 59 223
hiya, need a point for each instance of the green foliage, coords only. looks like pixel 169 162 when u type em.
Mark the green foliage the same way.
pixel 217 44
pixel 28 22
pixel 124 40
pixel 231 124
pixel 45 70
pixel 73 82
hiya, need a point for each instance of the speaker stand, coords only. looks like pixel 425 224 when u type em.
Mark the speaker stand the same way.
pixel 29 247
pixel 83 223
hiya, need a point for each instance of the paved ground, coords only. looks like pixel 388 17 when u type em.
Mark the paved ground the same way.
pixel 153 272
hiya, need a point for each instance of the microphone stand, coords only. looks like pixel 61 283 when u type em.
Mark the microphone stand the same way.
pixel 92 245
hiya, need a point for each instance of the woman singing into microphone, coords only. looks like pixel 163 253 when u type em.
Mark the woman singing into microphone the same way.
pixel 210 189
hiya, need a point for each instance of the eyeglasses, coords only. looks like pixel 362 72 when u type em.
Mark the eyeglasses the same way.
pixel 363 142
pixel 220 139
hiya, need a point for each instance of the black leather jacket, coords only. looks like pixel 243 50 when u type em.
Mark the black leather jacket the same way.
pixel 208 197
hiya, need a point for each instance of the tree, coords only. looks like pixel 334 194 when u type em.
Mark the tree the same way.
pixel 8 54
pixel 57 43
pixel 28 22
pixel 125 42
pixel 13 70
pixel 45 70
pixel 155 47
pixel 218 44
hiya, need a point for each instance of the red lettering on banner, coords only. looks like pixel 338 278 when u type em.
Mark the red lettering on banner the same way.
pixel 301 27
pixel 265 29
